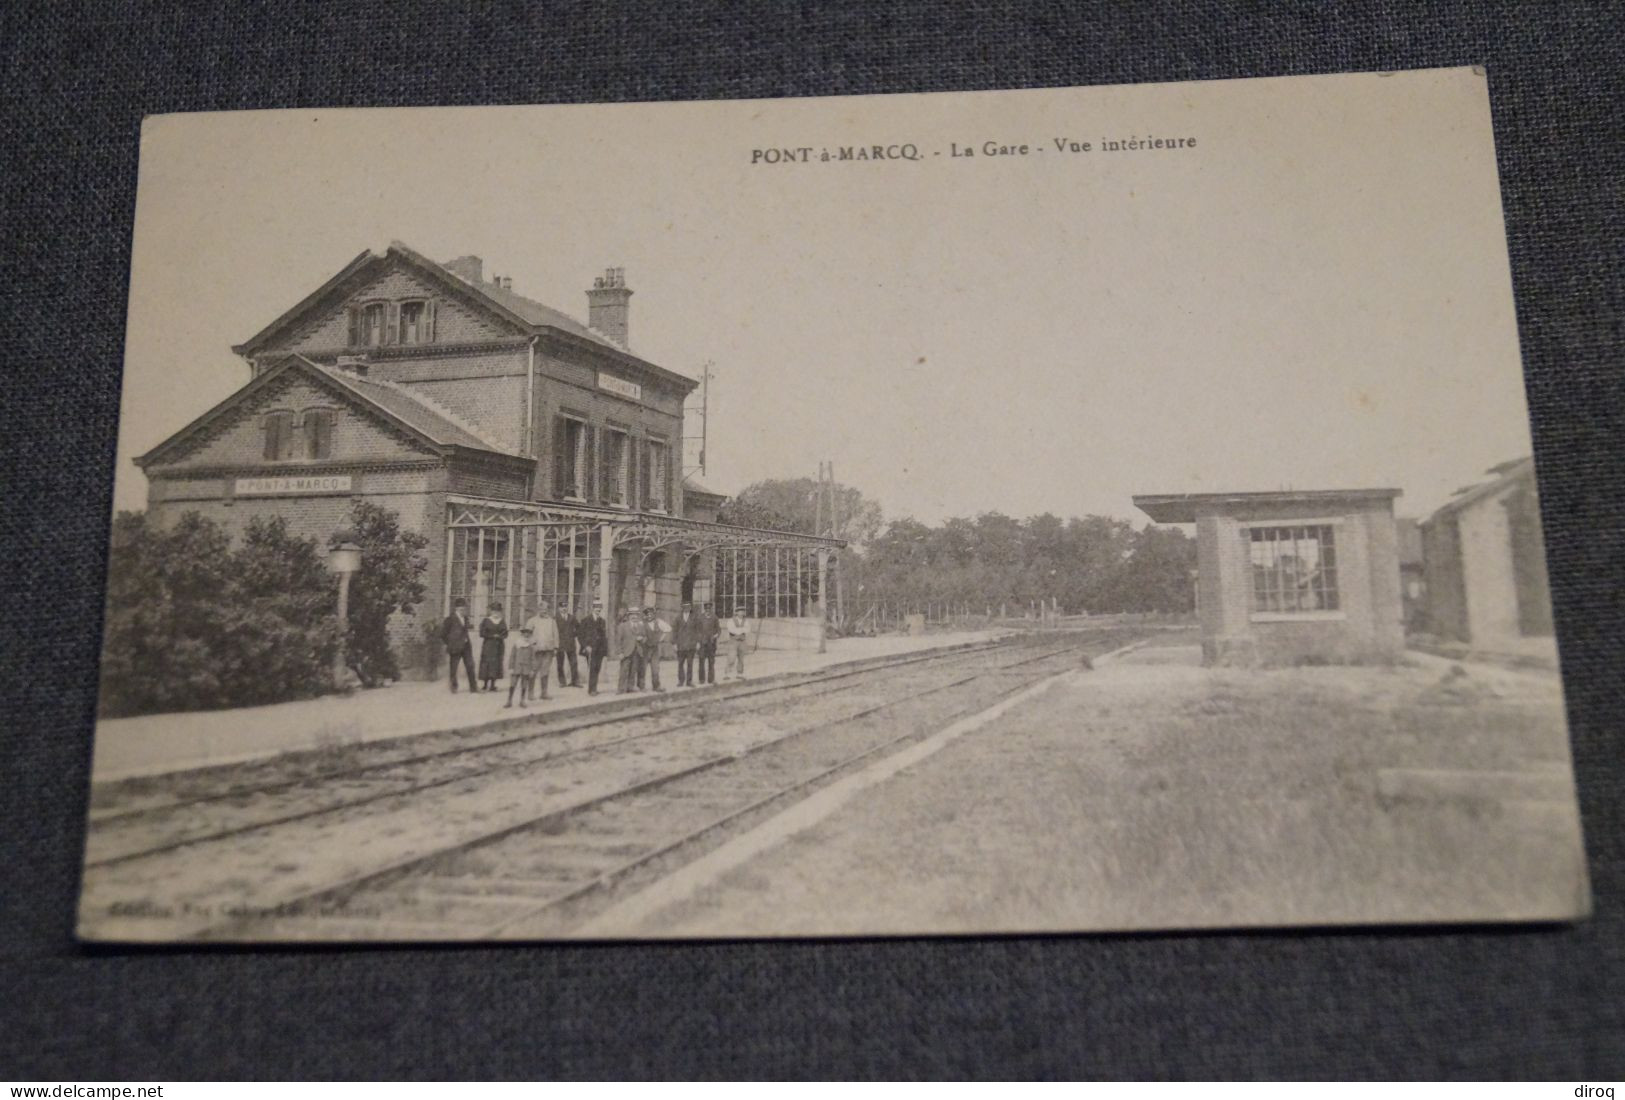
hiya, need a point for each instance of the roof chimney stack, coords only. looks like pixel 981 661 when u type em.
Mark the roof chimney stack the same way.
pixel 470 269
pixel 608 303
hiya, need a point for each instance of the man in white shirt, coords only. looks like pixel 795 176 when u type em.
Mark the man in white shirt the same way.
pixel 544 631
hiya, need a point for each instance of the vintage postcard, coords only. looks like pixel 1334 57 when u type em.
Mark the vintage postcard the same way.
pixel 1064 510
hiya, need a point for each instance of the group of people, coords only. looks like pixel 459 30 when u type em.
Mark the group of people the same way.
pixel 548 640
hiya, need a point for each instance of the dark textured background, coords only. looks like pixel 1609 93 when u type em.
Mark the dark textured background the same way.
pixel 1481 1003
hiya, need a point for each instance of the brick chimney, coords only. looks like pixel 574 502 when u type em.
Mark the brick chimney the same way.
pixel 470 269
pixel 608 303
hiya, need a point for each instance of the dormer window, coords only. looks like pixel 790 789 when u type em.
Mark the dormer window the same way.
pixel 374 320
pixel 417 323
pixel 383 324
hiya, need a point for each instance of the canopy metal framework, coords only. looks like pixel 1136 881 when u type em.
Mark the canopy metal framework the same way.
pixel 520 554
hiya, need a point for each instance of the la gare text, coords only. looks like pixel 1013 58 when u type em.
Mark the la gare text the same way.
pixel 814 154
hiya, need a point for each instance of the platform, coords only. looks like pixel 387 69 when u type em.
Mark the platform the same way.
pixel 155 744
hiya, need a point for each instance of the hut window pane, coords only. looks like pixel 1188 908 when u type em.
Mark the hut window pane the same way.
pixel 1294 568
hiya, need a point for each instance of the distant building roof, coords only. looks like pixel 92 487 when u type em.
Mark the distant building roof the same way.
pixel 1502 475
pixel 1185 507
pixel 694 488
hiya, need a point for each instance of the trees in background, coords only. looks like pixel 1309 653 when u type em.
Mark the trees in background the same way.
pixel 1092 563
pixel 791 504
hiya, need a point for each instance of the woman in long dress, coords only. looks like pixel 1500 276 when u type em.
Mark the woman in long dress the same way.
pixel 494 639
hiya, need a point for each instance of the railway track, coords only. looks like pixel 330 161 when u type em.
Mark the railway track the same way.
pixel 145 831
pixel 480 842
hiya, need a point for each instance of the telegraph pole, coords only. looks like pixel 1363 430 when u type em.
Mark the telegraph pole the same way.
pixel 698 455
pixel 835 532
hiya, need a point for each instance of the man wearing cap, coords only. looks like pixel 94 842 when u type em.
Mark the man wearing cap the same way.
pixel 459 647
pixel 592 634
pixel 544 633
pixel 654 632
pixel 686 635
pixel 627 638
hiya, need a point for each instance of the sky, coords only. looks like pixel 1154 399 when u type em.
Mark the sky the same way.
pixel 1314 295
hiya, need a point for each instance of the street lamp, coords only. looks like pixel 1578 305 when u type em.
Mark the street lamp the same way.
pixel 343 558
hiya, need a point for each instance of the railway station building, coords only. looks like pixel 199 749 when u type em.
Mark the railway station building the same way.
pixel 540 457
pixel 1293 577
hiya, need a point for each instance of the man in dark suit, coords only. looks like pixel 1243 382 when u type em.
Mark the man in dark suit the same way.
pixel 592 635
pixel 686 634
pixel 459 646
pixel 710 629
pixel 566 619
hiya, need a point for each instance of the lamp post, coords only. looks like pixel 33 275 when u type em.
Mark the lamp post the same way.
pixel 343 558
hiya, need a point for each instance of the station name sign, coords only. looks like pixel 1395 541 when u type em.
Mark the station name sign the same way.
pixel 287 486
pixel 620 385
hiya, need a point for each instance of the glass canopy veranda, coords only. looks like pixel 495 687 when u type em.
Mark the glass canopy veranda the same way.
pixel 519 554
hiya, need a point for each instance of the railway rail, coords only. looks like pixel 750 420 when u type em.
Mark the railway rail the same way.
pixel 528 833
pixel 125 835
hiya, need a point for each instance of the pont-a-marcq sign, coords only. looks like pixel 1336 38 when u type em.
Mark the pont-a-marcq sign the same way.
pixel 290 486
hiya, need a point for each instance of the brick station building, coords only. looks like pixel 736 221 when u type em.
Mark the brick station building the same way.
pixel 1293 577
pixel 540 456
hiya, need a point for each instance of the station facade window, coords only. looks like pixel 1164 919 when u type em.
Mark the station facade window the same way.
pixel 572 457
pixel 657 474
pixel 614 476
pixel 291 436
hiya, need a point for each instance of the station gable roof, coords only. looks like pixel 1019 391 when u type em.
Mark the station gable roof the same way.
pixel 422 420
pixel 524 316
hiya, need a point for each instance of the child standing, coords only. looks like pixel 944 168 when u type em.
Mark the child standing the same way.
pixel 522 667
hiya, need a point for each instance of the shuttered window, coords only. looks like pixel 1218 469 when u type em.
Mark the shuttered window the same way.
pixel 639 494
pixel 416 323
pixel 377 324
pixel 318 425
pixel 615 467
pixel 589 464
pixel 659 476
pixel 372 325
pixel 569 458
pixel 278 429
